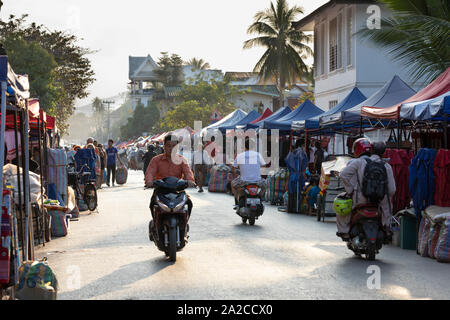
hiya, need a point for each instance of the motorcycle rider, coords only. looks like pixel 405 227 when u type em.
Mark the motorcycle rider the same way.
pixel 249 163
pixel 352 177
pixel 168 164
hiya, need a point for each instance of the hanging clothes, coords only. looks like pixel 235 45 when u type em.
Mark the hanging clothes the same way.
pixel 400 160
pixel 422 179
pixel 297 162
pixel 10 141
pixel 442 174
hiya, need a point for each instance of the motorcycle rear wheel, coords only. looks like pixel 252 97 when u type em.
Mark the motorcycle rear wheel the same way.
pixel 371 252
pixel 173 244
pixel 90 197
pixel 251 221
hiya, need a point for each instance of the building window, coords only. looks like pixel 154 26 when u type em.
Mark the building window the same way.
pixel 349 26
pixel 316 45
pixel 322 49
pixel 333 45
pixel 339 30
pixel 332 104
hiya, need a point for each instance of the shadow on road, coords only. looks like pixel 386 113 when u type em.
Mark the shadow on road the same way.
pixel 119 279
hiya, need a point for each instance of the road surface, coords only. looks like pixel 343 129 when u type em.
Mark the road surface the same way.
pixel 107 255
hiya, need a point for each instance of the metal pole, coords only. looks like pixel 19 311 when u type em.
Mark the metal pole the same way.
pixel 41 174
pixel 343 138
pixel 398 132
pixel 28 226
pixel 2 136
pixel 22 161
pixel 445 131
pixel 19 184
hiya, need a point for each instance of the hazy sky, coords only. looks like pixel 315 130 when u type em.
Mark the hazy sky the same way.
pixel 210 29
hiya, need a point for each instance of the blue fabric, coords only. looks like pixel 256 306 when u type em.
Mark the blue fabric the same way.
pixel 252 116
pixel 297 162
pixel 111 152
pixel 431 109
pixel 280 113
pixel 393 92
pixel 312 195
pixel 86 157
pixel 305 111
pixel 422 179
pixel 352 99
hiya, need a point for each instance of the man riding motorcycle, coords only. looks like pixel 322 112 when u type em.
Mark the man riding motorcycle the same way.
pixel 352 179
pixel 168 164
pixel 249 163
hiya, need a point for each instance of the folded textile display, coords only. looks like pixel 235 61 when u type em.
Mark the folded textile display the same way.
pixel 10 176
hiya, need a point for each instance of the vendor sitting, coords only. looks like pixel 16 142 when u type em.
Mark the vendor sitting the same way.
pixel 312 193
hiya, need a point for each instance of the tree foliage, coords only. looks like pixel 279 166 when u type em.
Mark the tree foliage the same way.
pixel 170 70
pixel 199 101
pixel 198 64
pixel 73 73
pixel 285 46
pixel 416 36
pixel 143 120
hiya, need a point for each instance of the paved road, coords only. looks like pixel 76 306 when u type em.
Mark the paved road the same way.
pixel 283 257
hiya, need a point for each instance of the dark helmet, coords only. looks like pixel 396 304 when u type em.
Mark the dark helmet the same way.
pixel 379 148
pixel 151 147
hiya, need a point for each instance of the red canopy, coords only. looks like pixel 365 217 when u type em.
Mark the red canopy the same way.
pixel 438 87
pixel 266 114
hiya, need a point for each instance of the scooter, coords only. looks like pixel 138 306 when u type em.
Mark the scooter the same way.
pixel 172 208
pixel 366 233
pixel 250 204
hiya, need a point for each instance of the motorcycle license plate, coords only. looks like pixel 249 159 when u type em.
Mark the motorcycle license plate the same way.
pixel 253 202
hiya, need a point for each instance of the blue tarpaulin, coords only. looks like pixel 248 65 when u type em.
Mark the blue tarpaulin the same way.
pixel 275 116
pixel 431 109
pixel 305 111
pixel 352 99
pixel 230 119
pixel 252 116
pixel 393 92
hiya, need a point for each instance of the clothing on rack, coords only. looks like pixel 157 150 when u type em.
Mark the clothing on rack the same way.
pixel 442 174
pixel 422 179
pixel 400 160
pixel 10 141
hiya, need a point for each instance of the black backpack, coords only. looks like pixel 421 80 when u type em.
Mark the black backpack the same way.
pixel 374 184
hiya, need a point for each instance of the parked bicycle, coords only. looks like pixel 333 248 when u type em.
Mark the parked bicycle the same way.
pixel 83 185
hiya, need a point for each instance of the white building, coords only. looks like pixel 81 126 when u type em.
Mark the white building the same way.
pixel 342 58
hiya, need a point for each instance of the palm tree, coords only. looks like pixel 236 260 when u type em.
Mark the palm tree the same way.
pixel 416 36
pixel 199 64
pixel 285 46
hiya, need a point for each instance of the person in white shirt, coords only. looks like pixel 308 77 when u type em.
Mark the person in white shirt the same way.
pixel 249 163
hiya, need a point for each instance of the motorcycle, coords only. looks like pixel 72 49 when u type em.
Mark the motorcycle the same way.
pixel 366 232
pixel 172 208
pixel 250 204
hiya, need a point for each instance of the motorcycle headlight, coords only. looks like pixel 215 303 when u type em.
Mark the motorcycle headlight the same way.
pixel 162 205
pixel 181 205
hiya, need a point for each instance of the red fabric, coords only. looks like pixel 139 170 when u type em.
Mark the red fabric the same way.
pixel 400 160
pixel 266 114
pixel 438 87
pixel 50 122
pixel 442 175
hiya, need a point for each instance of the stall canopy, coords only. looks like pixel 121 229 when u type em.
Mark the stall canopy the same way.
pixel 280 113
pixel 17 84
pixel 229 120
pixel 435 89
pixel 391 93
pixel 305 111
pixel 352 99
pixel 431 109
pixel 265 115
pixel 251 116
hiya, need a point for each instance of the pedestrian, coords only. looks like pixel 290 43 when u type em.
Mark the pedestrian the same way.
pixel 148 156
pixel 318 158
pixel 103 159
pixel 202 161
pixel 111 153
